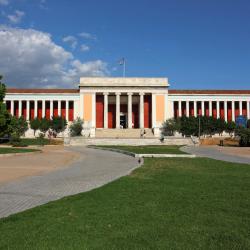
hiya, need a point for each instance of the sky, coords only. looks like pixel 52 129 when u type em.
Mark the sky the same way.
pixel 195 44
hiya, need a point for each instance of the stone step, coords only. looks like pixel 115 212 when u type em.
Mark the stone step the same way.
pixel 123 133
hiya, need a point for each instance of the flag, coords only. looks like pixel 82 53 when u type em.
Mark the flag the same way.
pixel 122 61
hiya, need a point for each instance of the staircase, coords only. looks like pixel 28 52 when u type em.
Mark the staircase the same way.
pixel 123 133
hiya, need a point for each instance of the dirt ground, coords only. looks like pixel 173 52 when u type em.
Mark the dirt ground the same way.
pixel 19 166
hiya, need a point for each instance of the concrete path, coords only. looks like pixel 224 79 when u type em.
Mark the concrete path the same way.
pixel 215 153
pixel 94 169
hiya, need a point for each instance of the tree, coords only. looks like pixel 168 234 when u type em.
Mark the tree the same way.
pixel 76 127
pixel 189 126
pixel 35 124
pixel 58 124
pixel 230 127
pixel 5 116
pixel 18 126
pixel 171 126
pixel 220 126
pixel 44 125
pixel 248 123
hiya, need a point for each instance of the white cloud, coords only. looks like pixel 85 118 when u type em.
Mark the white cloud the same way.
pixel 84 48
pixel 29 58
pixel 4 2
pixel 86 35
pixel 16 17
pixel 71 40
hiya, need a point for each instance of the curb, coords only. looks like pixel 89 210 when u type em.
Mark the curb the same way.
pixel 144 155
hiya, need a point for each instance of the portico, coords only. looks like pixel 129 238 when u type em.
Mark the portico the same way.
pixel 118 103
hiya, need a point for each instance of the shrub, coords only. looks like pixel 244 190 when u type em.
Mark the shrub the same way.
pixel 16 141
pixel 35 124
pixel 58 124
pixel 18 125
pixel 171 126
pixel 244 134
pixel 76 127
pixel 41 139
pixel 44 125
pixel 230 127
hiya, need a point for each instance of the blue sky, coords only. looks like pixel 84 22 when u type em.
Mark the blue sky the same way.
pixel 196 44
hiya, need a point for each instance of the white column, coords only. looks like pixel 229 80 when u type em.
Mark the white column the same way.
pixel 187 108
pixel 67 110
pixel 240 107
pixel 35 107
pixel 233 110
pixel 248 110
pixel 141 110
pixel 59 108
pixel 166 114
pixel 76 110
pixel 179 109
pixel 130 110
pixel 94 110
pixel 195 108
pixel 43 108
pixel 218 109
pixel 117 115
pixel 202 108
pixel 19 108
pixel 225 111
pixel 81 107
pixel 51 109
pixel 105 110
pixel 210 108
pixel 12 107
pixel 154 110
pixel 27 110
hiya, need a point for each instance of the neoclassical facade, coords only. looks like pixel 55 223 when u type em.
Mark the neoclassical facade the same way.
pixel 106 103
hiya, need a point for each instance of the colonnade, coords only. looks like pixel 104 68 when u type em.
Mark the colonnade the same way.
pixel 219 105
pixel 43 111
pixel 129 103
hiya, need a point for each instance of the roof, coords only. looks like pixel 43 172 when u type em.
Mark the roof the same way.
pixel 123 82
pixel 41 91
pixel 207 92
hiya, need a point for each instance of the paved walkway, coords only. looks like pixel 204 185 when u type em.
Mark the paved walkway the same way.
pixel 94 169
pixel 216 153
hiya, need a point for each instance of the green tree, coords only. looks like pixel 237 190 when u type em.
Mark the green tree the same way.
pixel 171 126
pixel 230 127
pixel 44 125
pixel 58 124
pixel 76 127
pixel 35 124
pixel 189 126
pixel 220 126
pixel 18 126
pixel 5 116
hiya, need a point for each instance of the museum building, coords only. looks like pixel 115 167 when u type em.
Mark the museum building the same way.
pixel 106 103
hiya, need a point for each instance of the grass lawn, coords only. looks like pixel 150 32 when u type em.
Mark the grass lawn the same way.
pixel 158 149
pixel 36 141
pixel 16 150
pixel 166 204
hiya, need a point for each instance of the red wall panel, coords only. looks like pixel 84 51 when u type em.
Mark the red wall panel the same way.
pixel 32 110
pixel 111 116
pixel 222 113
pixel 63 109
pixel 47 110
pixel 24 109
pixel 214 110
pixel 244 109
pixel 39 112
pixel 99 111
pixel 147 111
pixel 135 115
pixel 191 108
pixel 55 109
pixel 229 111
pixel 71 111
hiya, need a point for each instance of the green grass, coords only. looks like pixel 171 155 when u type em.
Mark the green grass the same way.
pixel 166 204
pixel 161 149
pixel 37 141
pixel 16 150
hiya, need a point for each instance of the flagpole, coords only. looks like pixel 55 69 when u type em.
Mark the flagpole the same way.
pixel 124 67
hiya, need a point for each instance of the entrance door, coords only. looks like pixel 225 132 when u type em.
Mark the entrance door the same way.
pixel 123 121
